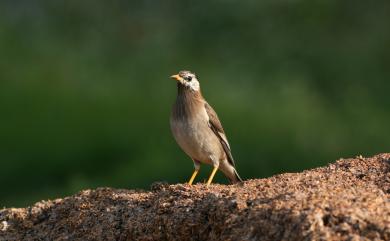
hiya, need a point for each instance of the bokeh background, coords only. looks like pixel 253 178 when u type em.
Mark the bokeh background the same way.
pixel 85 96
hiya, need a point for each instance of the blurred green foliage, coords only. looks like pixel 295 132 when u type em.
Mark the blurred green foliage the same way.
pixel 85 96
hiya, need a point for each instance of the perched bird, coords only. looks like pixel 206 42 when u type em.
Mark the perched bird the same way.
pixel 198 131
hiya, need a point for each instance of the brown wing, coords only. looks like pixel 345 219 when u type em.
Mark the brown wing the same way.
pixel 217 128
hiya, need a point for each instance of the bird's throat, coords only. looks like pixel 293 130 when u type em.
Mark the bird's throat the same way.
pixel 185 92
pixel 187 102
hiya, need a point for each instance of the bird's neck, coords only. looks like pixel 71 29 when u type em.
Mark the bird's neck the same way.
pixel 186 92
pixel 188 101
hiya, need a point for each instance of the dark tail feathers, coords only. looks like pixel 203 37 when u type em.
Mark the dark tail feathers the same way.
pixel 237 178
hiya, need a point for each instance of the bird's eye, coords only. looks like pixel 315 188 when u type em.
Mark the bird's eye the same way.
pixel 189 78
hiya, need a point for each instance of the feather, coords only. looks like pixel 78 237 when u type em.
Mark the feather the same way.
pixel 216 127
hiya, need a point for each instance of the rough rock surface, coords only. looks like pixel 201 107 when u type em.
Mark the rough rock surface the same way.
pixel 347 200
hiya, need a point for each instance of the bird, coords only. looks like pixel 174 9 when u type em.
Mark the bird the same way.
pixel 198 131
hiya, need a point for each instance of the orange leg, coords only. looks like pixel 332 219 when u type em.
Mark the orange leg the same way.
pixel 212 176
pixel 193 176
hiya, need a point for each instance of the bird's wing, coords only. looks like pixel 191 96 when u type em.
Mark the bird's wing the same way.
pixel 216 127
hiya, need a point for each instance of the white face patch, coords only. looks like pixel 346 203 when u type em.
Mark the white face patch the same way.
pixel 191 81
pixel 194 84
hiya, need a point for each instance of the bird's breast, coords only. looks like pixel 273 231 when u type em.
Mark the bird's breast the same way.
pixel 190 131
pixel 194 136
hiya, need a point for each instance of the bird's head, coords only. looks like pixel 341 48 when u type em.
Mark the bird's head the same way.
pixel 187 79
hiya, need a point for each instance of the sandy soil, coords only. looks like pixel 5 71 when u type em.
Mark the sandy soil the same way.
pixel 347 200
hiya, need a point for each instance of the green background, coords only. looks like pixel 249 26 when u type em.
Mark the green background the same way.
pixel 85 96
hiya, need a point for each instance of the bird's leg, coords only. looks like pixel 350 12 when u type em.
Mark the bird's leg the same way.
pixel 212 175
pixel 197 167
pixel 193 177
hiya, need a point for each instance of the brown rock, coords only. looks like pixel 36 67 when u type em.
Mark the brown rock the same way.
pixel 347 200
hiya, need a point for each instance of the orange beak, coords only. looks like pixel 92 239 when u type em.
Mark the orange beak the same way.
pixel 177 77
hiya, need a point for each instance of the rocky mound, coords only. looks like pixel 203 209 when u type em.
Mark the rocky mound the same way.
pixel 347 200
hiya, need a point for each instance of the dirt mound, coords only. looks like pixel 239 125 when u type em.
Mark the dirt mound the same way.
pixel 347 200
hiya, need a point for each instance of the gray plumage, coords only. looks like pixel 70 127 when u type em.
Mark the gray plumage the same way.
pixel 197 129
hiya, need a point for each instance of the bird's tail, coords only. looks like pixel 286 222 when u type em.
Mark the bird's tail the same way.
pixel 237 177
pixel 233 176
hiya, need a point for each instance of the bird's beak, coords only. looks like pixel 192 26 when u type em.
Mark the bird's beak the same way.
pixel 177 77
